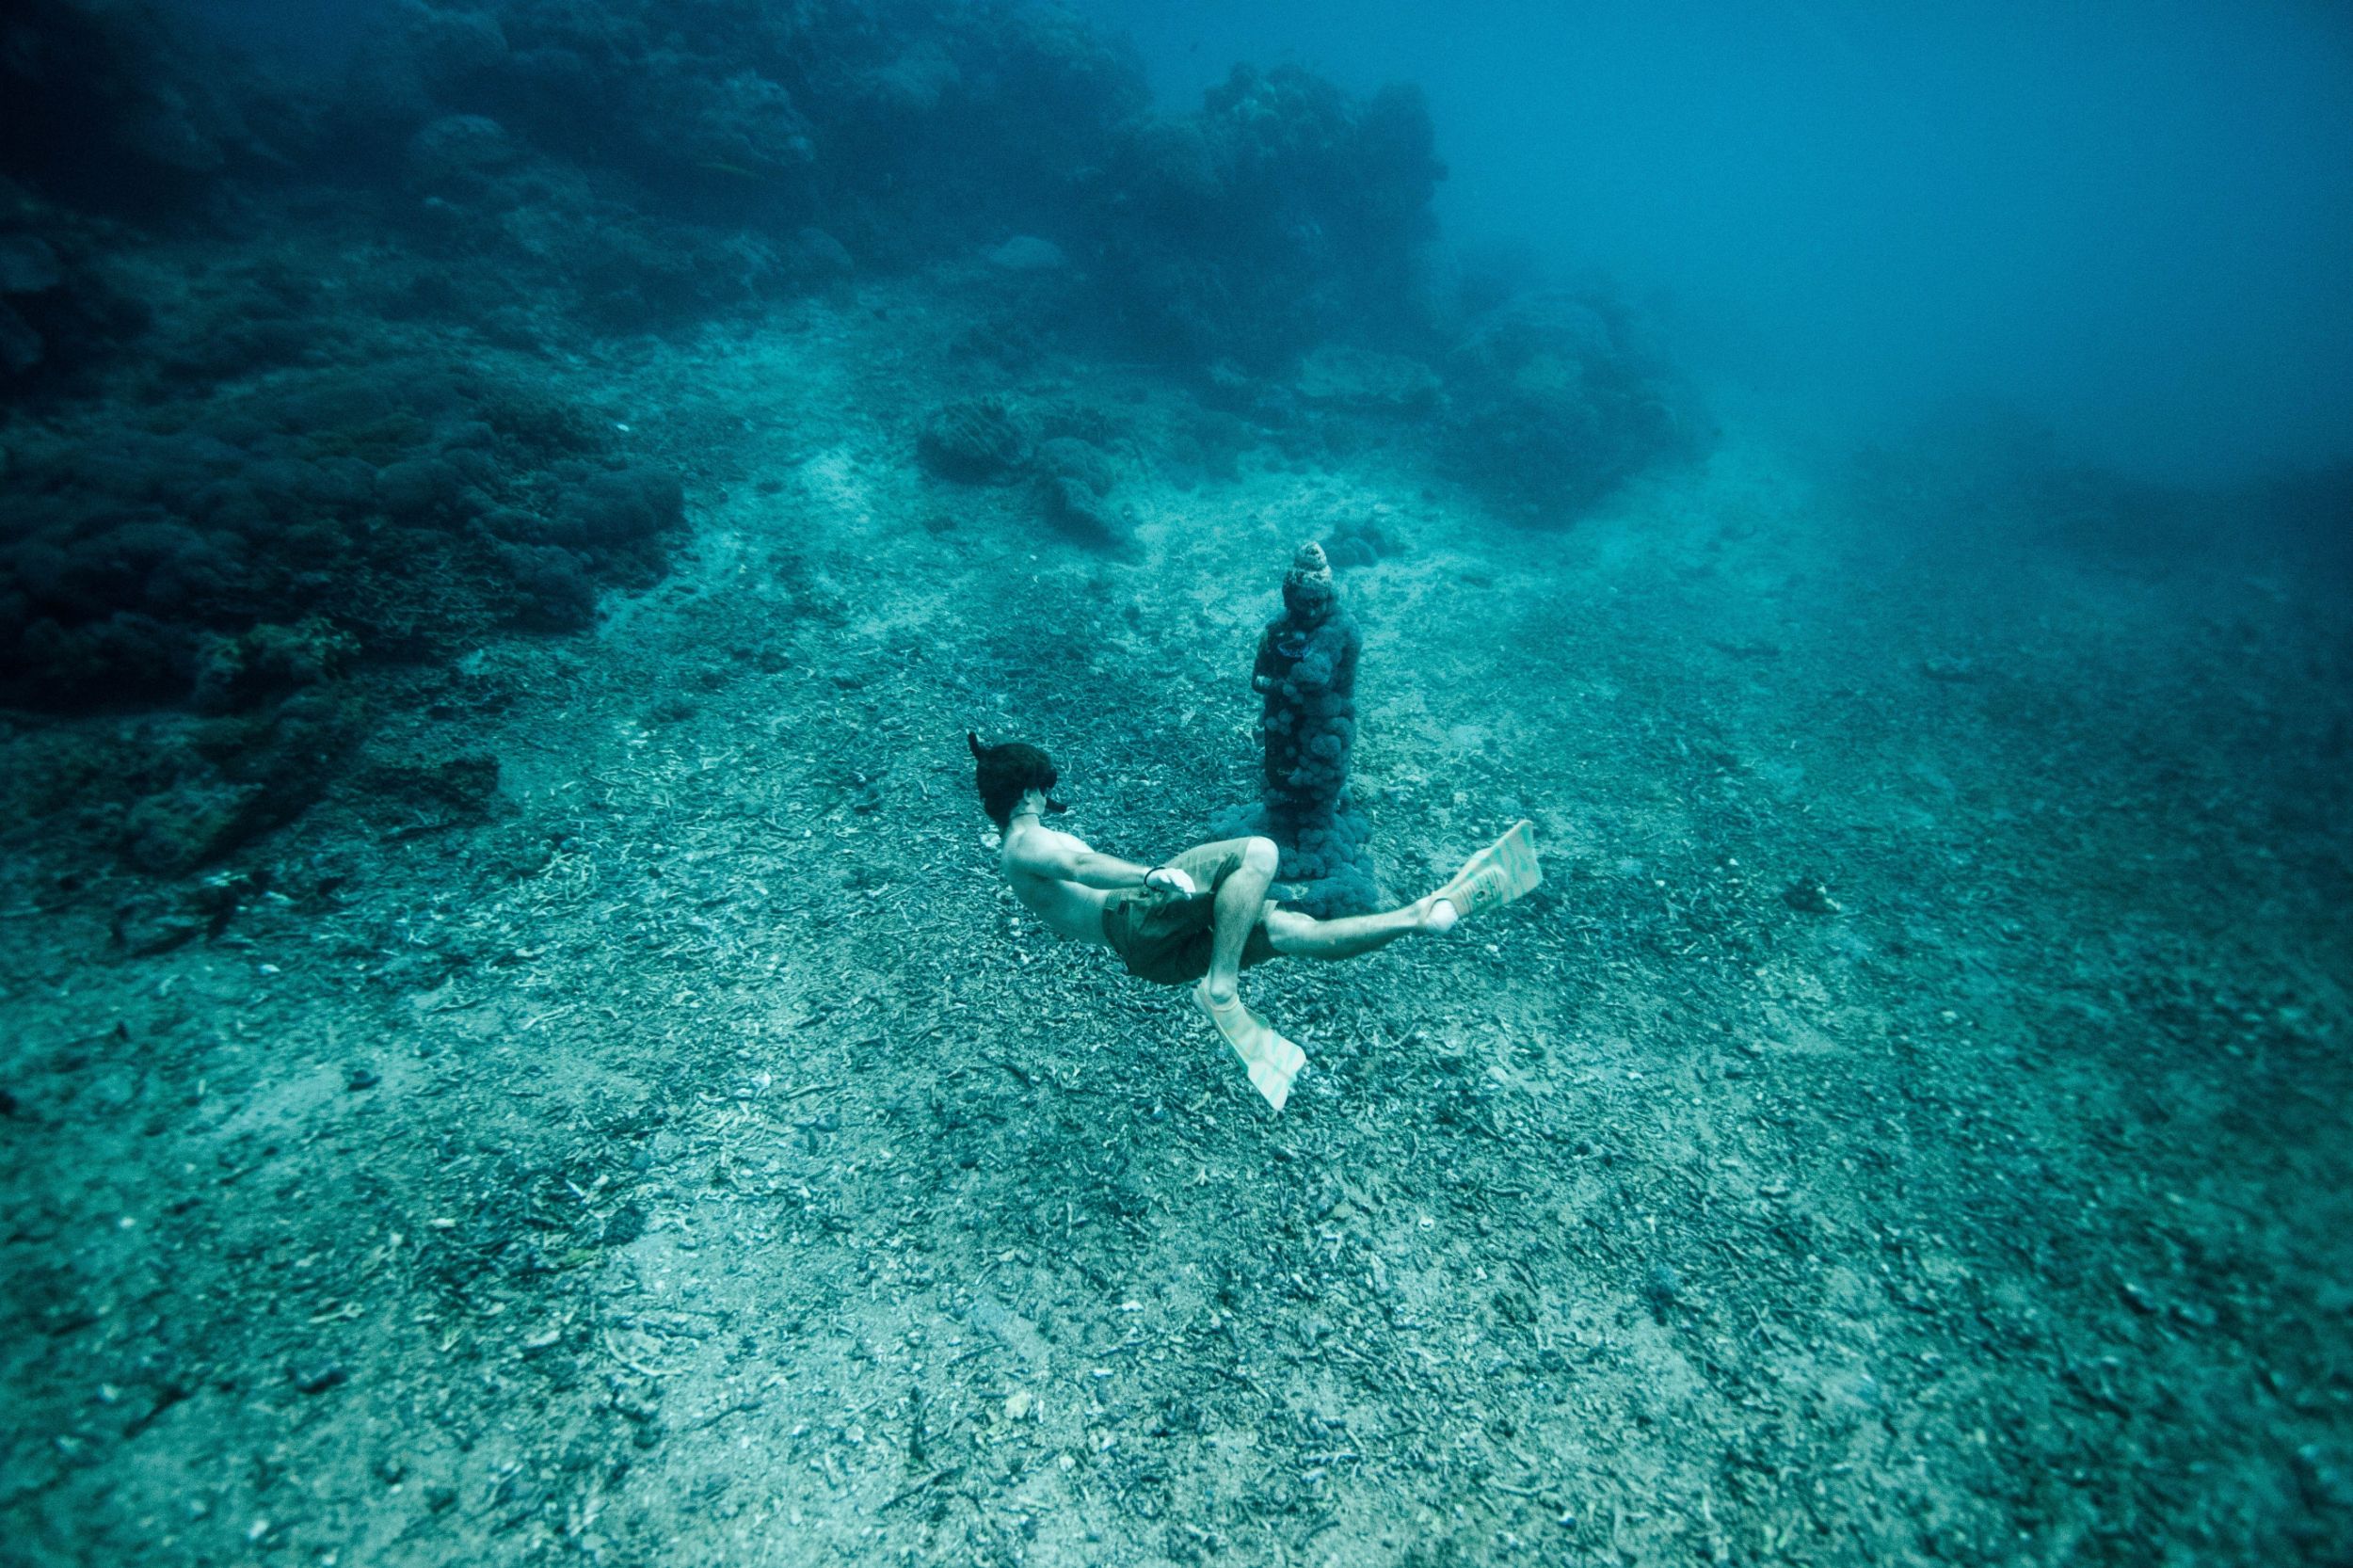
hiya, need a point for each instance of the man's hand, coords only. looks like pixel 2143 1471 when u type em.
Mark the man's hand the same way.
pixel 1169 882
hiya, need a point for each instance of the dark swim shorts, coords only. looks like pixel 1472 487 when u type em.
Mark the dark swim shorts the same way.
pixel 1167 940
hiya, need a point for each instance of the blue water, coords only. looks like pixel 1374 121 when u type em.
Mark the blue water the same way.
pixel 2131 223
pixel 615 615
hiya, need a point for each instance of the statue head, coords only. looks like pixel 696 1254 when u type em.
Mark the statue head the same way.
pixel 1308 592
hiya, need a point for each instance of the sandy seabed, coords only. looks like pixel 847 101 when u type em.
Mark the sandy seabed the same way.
pixel 1908 1125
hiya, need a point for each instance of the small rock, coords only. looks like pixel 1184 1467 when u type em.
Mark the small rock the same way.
pixel 626 1223
pixel 1028 253
pixel 319 1379
pixel 360 1076
pixel 1663 1289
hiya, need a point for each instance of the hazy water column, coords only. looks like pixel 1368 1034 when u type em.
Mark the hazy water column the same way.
pixel 2133 221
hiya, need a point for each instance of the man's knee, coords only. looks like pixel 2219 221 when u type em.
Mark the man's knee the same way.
pixel 1285 929
pixel 1260 854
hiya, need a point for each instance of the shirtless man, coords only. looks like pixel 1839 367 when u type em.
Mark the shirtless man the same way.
pixel 1203 917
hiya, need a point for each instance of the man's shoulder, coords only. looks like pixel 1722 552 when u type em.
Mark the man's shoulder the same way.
pixel 1034 848
pixel 1041 839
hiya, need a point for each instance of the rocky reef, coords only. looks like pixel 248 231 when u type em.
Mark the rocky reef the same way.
pixel 293 362
pixel 409 508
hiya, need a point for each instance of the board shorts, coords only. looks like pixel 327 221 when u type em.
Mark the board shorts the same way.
pixel 1167 940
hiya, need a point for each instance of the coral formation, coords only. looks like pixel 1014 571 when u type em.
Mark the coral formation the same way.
pixel 988 442
pixel 1362 541
pixel 399 510
pixel 1557 401
pixel 1305 675
pixel 1075 480
pixel 1281 212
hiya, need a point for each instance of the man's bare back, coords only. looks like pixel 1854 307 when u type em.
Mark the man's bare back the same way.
pixel 1033 858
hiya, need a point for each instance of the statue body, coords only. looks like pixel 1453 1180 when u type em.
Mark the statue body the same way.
pixel 1306 677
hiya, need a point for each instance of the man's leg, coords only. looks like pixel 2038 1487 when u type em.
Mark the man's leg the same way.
pixel 1296 936
pixel 1272 1060
pixel 1496 876
pixel 1241 900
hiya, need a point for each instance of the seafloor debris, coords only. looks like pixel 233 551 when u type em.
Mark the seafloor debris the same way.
pixel 1807 895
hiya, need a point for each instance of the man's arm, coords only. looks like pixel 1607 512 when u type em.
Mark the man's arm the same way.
pixel 1090 869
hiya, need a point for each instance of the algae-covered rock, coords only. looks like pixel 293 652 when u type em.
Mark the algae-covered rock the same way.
pixel 974 440
pixel 1080 461
pixel 1346 377
pixel 1557 400
pixel 1361 541
pixel 185 827
pixel 1074 509
pixel 233 672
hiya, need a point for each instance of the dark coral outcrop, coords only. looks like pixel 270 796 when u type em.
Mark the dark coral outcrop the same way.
pixel 394 512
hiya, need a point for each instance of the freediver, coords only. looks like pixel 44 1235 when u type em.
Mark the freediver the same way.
pixel 1203 917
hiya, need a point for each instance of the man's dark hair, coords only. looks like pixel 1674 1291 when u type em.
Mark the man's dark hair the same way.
pixel 1006 773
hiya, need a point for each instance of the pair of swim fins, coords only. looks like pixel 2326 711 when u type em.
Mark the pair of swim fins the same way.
pixel 1504 870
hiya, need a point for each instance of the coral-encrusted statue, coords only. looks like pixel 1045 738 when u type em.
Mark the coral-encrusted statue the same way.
pixel 1306 677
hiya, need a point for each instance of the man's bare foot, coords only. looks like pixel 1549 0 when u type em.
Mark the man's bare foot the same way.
pixel 1432 914
pixel 1273 1062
